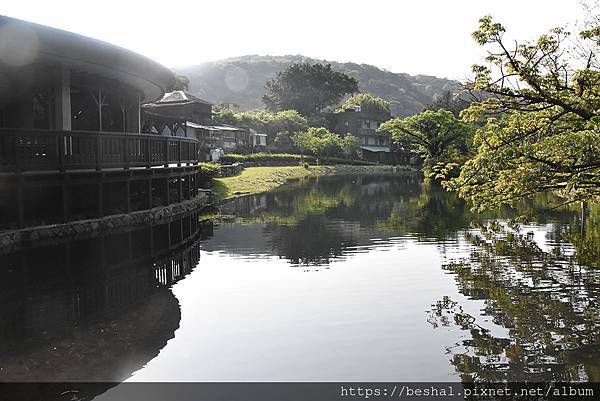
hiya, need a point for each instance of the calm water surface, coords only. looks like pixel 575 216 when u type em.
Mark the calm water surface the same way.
pixel 331 279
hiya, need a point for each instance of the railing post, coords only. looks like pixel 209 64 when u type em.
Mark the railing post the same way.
pixel 179 150
pixel 150 192
pixel 166 151
pixel 148 153
pixel 60 138
pixel 180 186
pixel 127 153
pixel 99 152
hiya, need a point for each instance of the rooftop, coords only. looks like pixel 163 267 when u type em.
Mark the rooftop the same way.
pixel 180 97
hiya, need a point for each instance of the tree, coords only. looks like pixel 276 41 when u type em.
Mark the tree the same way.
pixel 367 103
pixel 276 125
pixel 350 146
pixel 182 83
pixel 307 88
pixel 450 101
pixel 433 134
pixel 224 116
pixel 319 141
pixel 541 125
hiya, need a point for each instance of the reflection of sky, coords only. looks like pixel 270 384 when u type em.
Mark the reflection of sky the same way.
pixel 362 319
pixel 357 310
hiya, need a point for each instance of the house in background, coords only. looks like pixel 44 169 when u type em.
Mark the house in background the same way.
pixel 180 113
pixel 374 145
pixel 168 116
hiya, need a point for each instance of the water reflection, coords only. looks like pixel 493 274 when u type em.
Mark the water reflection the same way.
pixel 540 317
pixel 312 222
pixel 546 302
pixel 410 286
pixel 95 309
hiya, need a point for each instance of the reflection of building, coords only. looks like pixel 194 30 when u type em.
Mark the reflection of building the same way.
pixel 182 114
pixel 94 309
pixel 374 145
pixel 71 145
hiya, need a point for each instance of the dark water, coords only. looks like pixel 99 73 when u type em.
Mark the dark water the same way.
pixel 331 279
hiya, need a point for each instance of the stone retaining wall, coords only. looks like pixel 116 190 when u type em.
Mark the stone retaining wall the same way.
pixel 229 170
pixel 11 241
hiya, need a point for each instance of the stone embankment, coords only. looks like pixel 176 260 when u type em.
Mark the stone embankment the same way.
pixel 11 241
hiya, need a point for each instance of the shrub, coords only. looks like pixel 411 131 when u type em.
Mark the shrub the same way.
pixel 210 169
pixel 266 159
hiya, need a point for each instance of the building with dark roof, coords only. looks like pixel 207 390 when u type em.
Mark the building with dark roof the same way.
pixel 71 145
pixel 180 113
pixel 374 145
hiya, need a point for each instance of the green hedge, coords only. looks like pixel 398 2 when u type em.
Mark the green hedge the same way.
pixel 339 160
pixel 265 158
pixel 286 159
pixel 210 169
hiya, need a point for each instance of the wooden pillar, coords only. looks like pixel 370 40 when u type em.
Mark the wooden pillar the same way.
pixel 150 192
pixel 100 199
pixel 139 113
pixel 180 187
pixel 65 197
pixel 20 201
pixel 128 193
pixel 169 234
pixel 62 96
pixel 152 240
pixel 167 191
pixel 189 186
pixel 132 114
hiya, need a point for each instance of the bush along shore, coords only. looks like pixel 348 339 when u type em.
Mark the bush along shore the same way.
pixel 254 180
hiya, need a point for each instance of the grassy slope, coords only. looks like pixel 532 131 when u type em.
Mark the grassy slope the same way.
pixel 254 180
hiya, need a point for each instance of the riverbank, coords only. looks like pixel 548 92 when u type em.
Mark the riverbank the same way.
pixel 253 180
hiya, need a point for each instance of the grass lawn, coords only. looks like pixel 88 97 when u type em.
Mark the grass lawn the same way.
pixel 253 180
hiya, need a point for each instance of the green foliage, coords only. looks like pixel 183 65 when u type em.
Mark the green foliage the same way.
pixel 292 159
pixel 210 169
pixel 350 146
pixel 224 116
pixel 367 103
pixel 437 136
pixel 541 124
pixel 449 101
pixel 322 143
pixel 278 126
pixel 307 88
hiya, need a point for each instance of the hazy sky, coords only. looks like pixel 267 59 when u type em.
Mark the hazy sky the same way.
pixel 417 37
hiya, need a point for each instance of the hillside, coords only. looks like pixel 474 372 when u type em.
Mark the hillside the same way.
pixel 242 80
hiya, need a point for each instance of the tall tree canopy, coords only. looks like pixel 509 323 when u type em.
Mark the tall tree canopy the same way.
pixel 541 128
pixel 433 134
pixel 450 101
pixel 367 103
pixel 323 143
pixel 307 88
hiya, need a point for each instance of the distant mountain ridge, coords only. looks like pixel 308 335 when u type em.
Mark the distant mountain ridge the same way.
pixel 241 80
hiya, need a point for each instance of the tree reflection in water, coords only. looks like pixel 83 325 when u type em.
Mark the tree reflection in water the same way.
pixel 548 303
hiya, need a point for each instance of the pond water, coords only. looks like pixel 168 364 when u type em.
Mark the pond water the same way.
pixel 341 278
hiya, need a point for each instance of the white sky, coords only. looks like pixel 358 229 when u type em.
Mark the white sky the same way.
pixel 418 37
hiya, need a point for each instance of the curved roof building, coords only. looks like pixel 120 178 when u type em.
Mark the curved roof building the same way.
pixel 70 141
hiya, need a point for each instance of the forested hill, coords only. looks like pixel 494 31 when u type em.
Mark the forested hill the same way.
pixel 242 80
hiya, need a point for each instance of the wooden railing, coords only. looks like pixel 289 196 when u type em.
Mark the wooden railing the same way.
pixel 34 150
